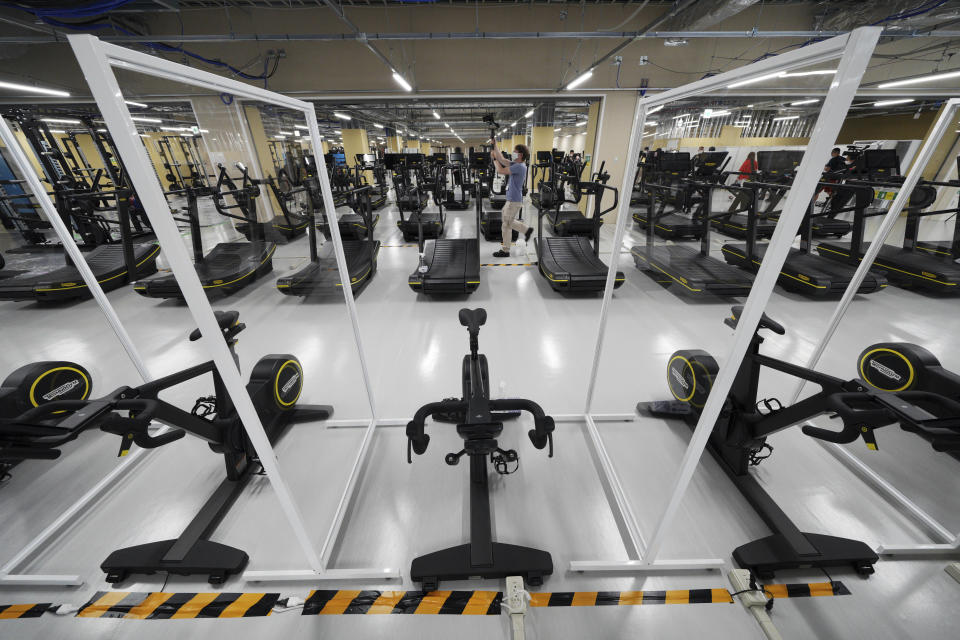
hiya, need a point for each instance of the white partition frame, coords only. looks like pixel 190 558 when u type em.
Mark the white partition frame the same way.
pixel 853 52
pixel 97 60
pixel 948 544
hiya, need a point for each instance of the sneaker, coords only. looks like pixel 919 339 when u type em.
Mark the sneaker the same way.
pixel 501 254
pixel 526 236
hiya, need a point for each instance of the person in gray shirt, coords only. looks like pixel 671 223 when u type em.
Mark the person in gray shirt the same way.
pixel 517 176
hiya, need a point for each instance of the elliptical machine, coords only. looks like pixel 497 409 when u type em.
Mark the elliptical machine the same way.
pixel 275 385
pixel 481 557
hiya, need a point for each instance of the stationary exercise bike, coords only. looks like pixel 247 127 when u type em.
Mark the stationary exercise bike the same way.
pixel 275 385
pixel 31 386
pixel 902 366
pixel 481 557
pixel 738 440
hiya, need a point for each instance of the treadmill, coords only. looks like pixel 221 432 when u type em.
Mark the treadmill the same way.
pixel 321 276
pixel 940 248
pixel 458 172
pixel 229 266
pixel 777 168
pixel 568 222
pixel 287 226
pixel 378 193
pixel 353 225
pixel 572 263
pixel 412 198
pixel 672 172
pixel 907 266
pixel 447 265
pixel 805 272
pixel 688 270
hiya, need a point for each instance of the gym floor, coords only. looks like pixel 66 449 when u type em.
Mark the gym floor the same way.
pixel 540 345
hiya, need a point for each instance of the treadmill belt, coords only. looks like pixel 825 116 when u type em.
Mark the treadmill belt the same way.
pixel 453 267
pixel 65 283
pixel 229 267
pixel 735 226
pixel 671 225
pixel 806 273
pixel 569 264
pixel 692 272
pixel 323 277
pixel 938 274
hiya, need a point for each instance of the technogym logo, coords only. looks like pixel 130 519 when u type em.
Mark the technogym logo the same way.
pixel 679 378
pixel 292 381
pixel 887 371
pixel 62 389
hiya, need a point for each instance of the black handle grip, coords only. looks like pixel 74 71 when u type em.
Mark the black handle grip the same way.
pixel 848 434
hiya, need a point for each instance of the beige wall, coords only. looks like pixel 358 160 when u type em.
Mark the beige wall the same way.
pixel 613 140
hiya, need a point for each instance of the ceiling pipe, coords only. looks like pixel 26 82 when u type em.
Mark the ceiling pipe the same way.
pixel 365 38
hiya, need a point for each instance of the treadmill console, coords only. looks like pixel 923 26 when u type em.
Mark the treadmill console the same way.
pixel 456 157
pixel 414 159
pixel 394 161
pixel 558 156
pixel 881 161
pixel 710 162
pixel 439 158
pixel 544 157
pixel 367 160
pixel 778 162
pixel 678 162
pixel 479 160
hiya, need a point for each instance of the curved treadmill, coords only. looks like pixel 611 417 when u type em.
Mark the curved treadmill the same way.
pixel 107 262
pixel 449 265
pixel 691 270
pixel 321 276
pixel 573 263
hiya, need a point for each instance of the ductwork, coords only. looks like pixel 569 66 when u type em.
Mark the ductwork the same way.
pixel 849 14
pixel 705 13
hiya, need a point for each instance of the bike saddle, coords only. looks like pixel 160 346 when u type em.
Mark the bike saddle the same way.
pixel 227 320
pixel 766 322
pixel 473 319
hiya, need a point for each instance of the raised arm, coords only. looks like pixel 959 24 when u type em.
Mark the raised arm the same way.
pixel 501 164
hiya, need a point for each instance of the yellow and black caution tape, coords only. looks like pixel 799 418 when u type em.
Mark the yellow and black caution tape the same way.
pixel 806 589
pixel 135 605
pixel 625 598
pixel 19 611
pixel 161 605
pixel 508 264
pixel 332 602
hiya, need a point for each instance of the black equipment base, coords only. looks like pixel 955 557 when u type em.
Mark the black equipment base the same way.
pixel 453 267
pixel 767 555
pixel 569 264
pixel 688 271
pixel 458 563
pixel 671 226
pixel 217 561
pixel 910 269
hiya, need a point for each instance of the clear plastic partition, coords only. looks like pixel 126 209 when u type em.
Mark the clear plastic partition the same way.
pixel 60 349
pixel 896 346
pixel 719 215
pixel 249 325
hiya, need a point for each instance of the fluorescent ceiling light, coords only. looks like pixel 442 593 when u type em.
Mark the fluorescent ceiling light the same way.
pixel 280 136
pixel 528 113
pixel 655 109
pixel 342 116
pixel 749 106
pixel 144 135
pixel 785 118
pixel 798 74
pixel 436 115
pixel 681 116
pixel 743 83
pixel 652 133
pixel 139 119
pixel 57 131
pixel 446 125
pixel 338 132
pixel 650 123
pixel 378 126
pixel 931 78
pixel 61 120
pixel 24 87
pixel 690 124
pixel 298 126
pixel 102 130
pixel 403 83
pixel 173 129
pixel 557 129
pixel 710 113
pixel 136 104
pixel 286 133
pixel 580 124
pixel 802 102
pixel 887 103
pixel 580 80
pixel 513 124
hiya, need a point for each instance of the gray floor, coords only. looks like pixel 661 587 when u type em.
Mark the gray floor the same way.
pixel 540 345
